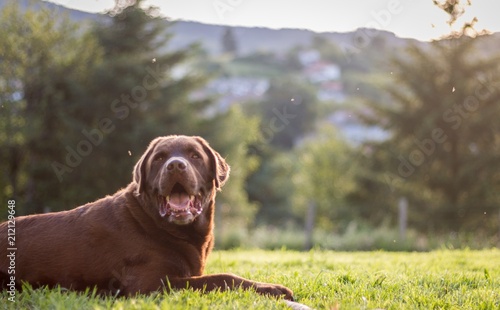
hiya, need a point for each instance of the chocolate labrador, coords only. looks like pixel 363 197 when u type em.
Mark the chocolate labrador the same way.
pixel 153 235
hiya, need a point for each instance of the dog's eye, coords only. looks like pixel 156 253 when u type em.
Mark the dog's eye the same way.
pixel 195 156
pixel 159 158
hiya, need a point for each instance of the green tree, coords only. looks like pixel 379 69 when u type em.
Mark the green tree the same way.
pixel 325 177
pixel 289 112
pixel 140 91
pixel 43 67
pixel 270 186
pixel 80 105
pixel 328 49
pixel 232 133
pixel 444 148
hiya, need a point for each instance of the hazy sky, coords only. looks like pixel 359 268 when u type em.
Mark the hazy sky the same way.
pixel 418 19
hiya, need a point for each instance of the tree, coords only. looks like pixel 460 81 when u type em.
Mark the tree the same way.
pixel 325 177
pixel 229 44
pixel 445 142
pixel 135 96
pixel 44 64
pixel 231 134
pixel 270 186
pixel 289 112
pixel 82 104
pixel 328 49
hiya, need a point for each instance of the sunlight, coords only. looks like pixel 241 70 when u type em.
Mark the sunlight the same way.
pixel 407 19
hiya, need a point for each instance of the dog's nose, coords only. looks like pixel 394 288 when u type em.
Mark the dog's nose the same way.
pixel 176 164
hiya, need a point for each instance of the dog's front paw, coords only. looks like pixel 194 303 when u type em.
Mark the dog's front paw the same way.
pixel 274 290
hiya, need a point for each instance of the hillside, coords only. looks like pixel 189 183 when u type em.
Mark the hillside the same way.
pixel 251 39
pixel 262 39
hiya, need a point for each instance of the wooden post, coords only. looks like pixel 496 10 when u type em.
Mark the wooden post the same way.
pixel 310 219
pixel 403 217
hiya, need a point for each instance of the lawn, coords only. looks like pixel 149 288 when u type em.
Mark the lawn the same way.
pixel 444 279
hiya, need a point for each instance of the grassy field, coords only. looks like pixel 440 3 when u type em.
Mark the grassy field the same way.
pixel 458 279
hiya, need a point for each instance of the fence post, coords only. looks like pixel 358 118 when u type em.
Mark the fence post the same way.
pixel 310 219
pixel 403 217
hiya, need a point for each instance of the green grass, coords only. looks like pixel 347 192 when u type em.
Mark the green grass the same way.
pixel 445 279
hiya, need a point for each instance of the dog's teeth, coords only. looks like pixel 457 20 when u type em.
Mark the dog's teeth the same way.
pixel 168 198
pixel 191 197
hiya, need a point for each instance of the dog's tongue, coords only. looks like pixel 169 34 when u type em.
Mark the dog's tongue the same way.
pixel 179 201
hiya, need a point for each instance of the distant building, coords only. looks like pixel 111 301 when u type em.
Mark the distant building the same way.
pixel 354 130
pixel 321 71
pixel 331 91
pixel 325 75
pixel 239 86
pixel 233 90
pixel 308 57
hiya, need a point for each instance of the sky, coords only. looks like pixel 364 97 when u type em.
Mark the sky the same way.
pixel 419 19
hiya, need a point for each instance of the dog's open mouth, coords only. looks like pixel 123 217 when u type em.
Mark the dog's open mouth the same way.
pixel 179 206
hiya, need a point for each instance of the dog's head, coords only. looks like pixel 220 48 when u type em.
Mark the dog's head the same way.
pixel 180 175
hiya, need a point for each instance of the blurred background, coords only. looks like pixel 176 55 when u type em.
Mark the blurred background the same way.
pixel 353 140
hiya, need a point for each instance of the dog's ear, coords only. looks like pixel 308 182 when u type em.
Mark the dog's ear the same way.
pixel 139 173
pixel 220 168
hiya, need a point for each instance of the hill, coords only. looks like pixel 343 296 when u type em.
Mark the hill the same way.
pixel 254 39
pixel 251 39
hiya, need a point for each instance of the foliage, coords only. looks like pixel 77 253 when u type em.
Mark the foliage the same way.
pixel 322 280
pixel 325 176
pixel 45 65
pixel 233 205
pixel 259 64
pixel 80 102
pixel 445 137
pixel 136 89
pixel 440 106
pixel 289 112
pixel 357 236
pixel 375 198
pixel 271 187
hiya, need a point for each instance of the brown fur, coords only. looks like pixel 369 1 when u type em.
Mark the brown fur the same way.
pixel 121 243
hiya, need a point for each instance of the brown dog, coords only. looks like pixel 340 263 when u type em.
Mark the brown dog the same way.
pixel 154 234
